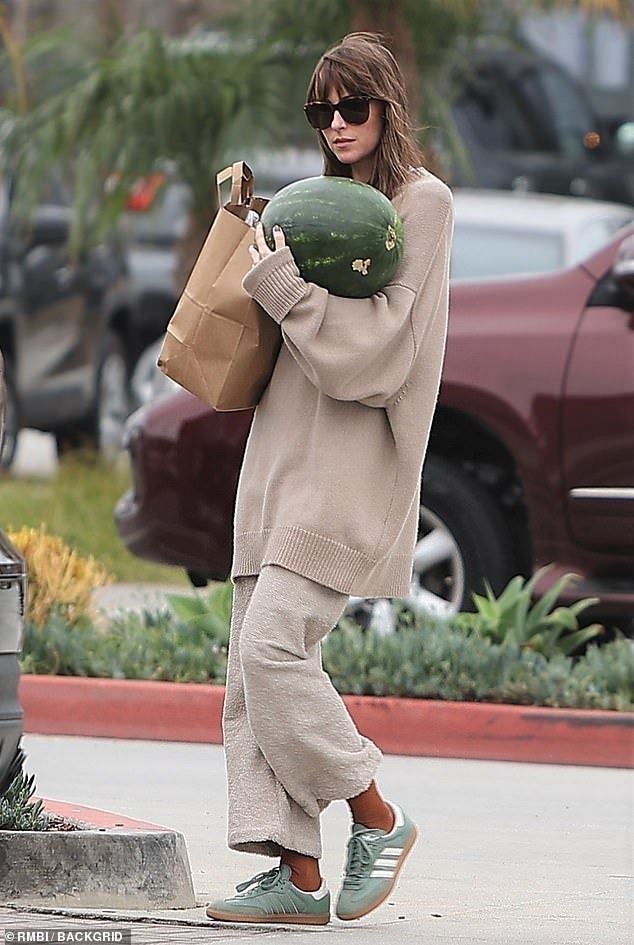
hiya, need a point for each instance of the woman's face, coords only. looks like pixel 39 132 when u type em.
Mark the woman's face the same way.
pixel 355 144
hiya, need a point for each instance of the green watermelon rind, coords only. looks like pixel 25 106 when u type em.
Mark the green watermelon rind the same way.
pixel 326 246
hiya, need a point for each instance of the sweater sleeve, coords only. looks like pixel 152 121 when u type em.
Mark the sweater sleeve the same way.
pixel 363 349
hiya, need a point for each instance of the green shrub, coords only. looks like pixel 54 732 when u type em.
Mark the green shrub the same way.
pixel 427 658
pixel 437 660
pixel 135 646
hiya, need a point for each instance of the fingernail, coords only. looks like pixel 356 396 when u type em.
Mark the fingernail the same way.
pixel 277 228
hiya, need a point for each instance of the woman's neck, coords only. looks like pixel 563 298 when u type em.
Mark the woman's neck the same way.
pixel 363 170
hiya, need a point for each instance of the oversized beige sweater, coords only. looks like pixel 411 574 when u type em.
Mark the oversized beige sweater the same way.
pixel 330 482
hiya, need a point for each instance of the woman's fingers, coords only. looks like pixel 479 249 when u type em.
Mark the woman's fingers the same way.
pixel 260 249
pixel 260 242
pixel 278 237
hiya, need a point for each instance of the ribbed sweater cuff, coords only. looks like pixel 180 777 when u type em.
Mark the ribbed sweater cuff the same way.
pixel 276 284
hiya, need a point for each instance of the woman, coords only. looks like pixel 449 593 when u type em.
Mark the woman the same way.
pixel 328 507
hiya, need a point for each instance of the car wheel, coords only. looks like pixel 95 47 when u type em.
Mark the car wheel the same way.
pixel 462 542
pixel 103 429
pixel 11 421
pixel 113 397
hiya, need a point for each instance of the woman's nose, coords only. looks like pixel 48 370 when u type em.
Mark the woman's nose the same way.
pixel 337 121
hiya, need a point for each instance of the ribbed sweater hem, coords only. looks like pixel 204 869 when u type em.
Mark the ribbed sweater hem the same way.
pixel 320 559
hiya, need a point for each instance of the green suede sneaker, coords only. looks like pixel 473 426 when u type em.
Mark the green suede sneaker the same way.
pixel 375 859
pixel 271 897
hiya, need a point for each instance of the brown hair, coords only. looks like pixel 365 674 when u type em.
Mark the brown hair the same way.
pixel 361 64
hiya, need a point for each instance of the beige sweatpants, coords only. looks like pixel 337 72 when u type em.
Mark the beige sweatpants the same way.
pixel 290 744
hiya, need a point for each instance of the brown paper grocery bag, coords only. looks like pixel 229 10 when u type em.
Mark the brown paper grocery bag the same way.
pixel 221 345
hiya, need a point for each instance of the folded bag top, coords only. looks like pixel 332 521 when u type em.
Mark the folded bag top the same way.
pixel 220 344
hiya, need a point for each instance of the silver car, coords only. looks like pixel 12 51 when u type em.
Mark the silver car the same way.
pixel 12 610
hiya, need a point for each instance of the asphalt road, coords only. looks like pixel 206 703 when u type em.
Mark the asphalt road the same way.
pixel 510 854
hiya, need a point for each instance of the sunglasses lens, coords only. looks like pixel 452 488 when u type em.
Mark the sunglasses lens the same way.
pixel 354 111
pixel 319 114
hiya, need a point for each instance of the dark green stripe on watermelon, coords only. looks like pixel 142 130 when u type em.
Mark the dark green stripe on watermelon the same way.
pixel 344 235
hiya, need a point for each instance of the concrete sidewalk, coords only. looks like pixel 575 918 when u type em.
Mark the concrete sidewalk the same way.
pixel 510 854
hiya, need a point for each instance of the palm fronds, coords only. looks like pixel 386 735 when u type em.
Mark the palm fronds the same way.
pixel 151 102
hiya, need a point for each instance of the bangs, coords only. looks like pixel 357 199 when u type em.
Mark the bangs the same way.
pixel 335 76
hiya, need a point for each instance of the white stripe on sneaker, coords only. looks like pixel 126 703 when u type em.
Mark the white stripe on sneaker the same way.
pixel 382 874
pixel 386 861
pixel 392 851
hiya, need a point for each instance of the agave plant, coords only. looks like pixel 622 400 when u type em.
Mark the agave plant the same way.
pixel 19 809
pixel 209 613
pixel 515 616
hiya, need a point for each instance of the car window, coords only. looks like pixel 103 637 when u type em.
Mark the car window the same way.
pixel 594 233
pixel 498 251
pixel 489 115
pixel 572 117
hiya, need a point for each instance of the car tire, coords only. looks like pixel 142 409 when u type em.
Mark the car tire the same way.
pixel 11 419
pixel 103 429
pixel 461 507
pixel 462 543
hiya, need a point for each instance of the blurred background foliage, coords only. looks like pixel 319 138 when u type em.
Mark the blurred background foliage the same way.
pixel 129 99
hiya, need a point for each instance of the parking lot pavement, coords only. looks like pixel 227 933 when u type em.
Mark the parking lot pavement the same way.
pixel 509 853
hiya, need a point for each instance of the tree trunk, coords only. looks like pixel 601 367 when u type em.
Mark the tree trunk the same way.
pixel 186 15
pixel 390 19
pixel 112 19
pixel 20 21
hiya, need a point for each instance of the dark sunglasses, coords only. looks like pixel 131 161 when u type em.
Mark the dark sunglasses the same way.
pixel 354 109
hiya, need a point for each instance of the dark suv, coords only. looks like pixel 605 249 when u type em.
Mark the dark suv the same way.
pixel 525 123
pixel 67 329
pixel 531 456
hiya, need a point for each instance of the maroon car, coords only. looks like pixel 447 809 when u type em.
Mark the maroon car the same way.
pixel 530 462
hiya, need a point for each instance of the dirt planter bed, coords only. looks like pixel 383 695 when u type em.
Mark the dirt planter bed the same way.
pixel 109 862
pixel 191 712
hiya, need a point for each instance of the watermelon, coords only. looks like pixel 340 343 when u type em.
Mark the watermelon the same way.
pixel 344 235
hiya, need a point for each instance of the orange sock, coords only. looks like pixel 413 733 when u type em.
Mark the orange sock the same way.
pixel 304 870
pixel 370 809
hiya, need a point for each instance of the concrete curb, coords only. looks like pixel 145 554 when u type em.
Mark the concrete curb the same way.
pixel 191 712
pixel 111 862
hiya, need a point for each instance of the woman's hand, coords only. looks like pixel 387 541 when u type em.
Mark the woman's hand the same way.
pixel 260 249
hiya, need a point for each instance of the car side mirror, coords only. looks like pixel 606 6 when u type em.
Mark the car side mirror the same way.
pixel 623 268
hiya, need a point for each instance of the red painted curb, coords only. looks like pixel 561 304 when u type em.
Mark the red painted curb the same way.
pixel 191 712
pixel 97 819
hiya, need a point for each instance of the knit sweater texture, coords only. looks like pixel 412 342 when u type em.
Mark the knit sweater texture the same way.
pixel 330 482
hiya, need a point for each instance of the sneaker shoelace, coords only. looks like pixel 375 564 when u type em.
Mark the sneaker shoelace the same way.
pixel 260 882
pixel 360 856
